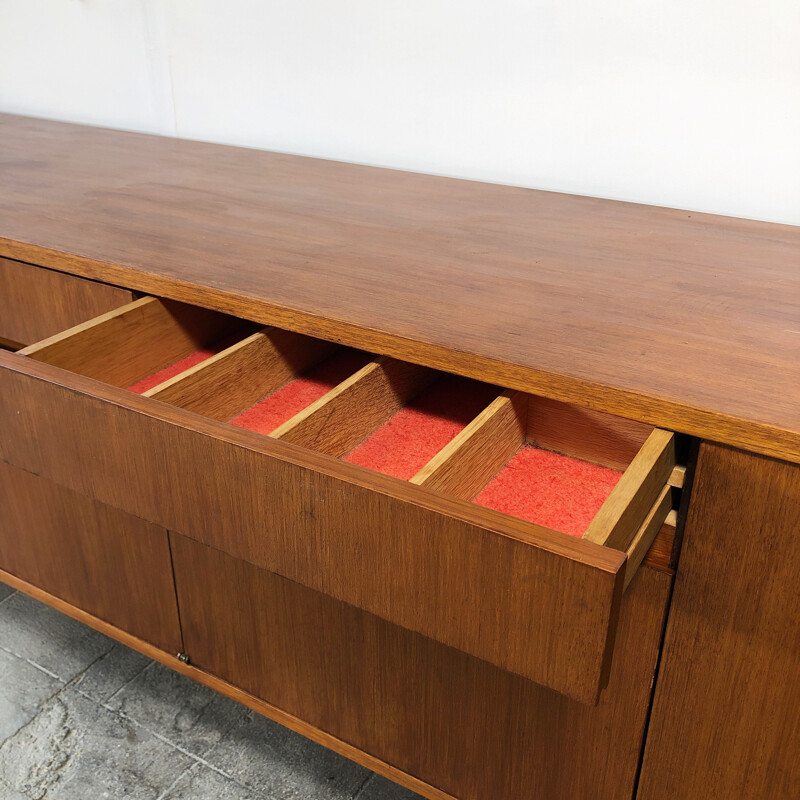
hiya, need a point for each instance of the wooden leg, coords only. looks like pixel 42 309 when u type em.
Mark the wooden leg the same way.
pixel 726 714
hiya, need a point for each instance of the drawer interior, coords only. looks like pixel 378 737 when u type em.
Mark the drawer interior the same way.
pixel 579 472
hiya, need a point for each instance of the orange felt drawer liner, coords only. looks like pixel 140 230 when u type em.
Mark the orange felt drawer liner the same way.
pixel 273 410
pixel 407 441
pixel 549 489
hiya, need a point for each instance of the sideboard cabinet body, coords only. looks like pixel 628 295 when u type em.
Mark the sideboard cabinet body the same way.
pixel 154 293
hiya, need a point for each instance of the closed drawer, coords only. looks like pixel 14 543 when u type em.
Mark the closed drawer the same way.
pixel 498 523
pixel 36 302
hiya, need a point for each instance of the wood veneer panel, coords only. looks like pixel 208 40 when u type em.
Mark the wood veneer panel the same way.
pixel 611 305
pixel 453 721
pixel 36 303
pixel 523 597
pixel 726 714
pixel 111 564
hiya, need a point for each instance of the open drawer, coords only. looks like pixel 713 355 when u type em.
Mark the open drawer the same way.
pixel 498 523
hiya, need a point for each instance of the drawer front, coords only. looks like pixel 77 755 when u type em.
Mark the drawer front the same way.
pixel 115 566
pixel 36 303
pixel 458 723
pixel 529 600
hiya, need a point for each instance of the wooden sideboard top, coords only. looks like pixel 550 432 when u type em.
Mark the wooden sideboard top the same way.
pixel 685 320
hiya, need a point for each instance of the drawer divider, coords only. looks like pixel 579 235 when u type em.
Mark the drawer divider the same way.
pixel 239 376
pixel 351 411
pixel 465 465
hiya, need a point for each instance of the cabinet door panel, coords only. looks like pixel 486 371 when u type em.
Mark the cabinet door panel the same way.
pixel 726 714
pixel 108 563
pixel 456 722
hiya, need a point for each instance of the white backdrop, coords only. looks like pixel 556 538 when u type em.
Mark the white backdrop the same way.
pixel 687 103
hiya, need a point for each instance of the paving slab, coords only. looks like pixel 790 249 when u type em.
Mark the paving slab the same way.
pixel 7 793
pixel 378 788
pixel 54 641
pixel 184 712
pixel 75 749
pixel 111 673
pixel 202 783
pixel 282 765
pixel 23 691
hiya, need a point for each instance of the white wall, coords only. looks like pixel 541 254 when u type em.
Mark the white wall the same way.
pixel 688 103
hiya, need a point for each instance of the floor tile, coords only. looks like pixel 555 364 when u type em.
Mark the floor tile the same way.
pixel 378 788
pixel 75 750
pixel 23 690
pixel 202 783
pixel 7 793
pixel 185 712
pixel 109 674
pixel 52 640
pixel 5 591
pixel 283 765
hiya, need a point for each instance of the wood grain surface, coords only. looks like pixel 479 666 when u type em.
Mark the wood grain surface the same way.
pixel 36 303
pixel 133 341
pixel 528 599
pixel 111 564
pixel 726 716
pixel 455 722
pixel 684 320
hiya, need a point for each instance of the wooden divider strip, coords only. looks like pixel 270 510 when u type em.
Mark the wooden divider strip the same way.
pixel 648 531
pixel 125 345
pixel 677 477
pixel 620 517
pixel 233 380
pixel 467 463
pixel 351 411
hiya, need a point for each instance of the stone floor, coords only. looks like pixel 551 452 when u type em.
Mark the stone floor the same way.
pixel 84 718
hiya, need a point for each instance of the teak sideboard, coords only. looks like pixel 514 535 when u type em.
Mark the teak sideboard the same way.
pixel 494 491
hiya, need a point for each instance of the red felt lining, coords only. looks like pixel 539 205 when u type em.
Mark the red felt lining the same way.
pixel 403 445
pixel 273 410
pixel 179 366
pixel 548 489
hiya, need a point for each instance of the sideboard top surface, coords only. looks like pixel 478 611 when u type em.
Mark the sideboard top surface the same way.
pixel 686 320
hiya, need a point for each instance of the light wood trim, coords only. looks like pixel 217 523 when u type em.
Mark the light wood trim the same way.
pixel 228 690
pixel 583 433
pixel 467 463
pixel 233 380
pixel 648 531
pixel 620 517
pixel 677 477
pixel 125 345
pixel 351 411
